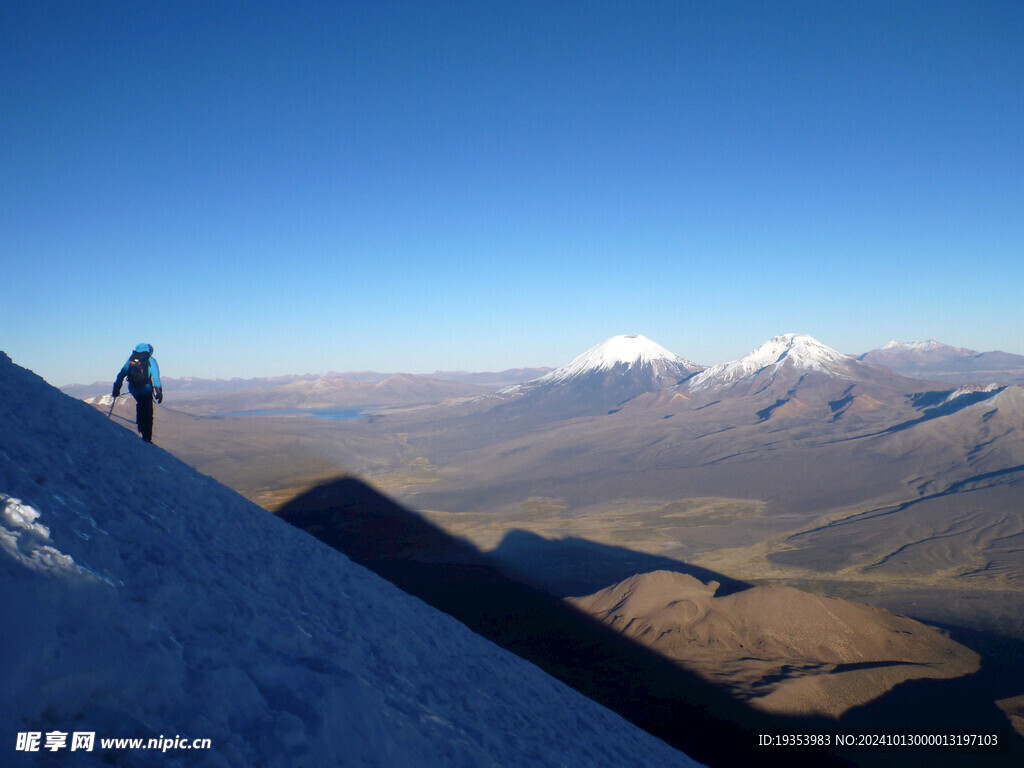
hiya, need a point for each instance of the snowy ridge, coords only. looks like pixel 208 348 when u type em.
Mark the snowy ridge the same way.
pixel 798 350
pixel 922 350
pixel 151 601
pixel 626 351
pixel 973 389
pixel 914 346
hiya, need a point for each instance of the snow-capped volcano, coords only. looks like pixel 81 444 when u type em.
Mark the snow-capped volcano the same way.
pixel 790 351
pixel 601 379
pixel 622 353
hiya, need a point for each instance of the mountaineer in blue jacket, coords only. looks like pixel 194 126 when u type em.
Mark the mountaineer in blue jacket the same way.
pixel 143 376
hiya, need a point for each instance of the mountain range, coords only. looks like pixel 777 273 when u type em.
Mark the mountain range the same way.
pixel 941 362
pixel 834 465
pixel 928 360
pixel 330 390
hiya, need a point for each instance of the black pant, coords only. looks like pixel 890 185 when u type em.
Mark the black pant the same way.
pixel 144 416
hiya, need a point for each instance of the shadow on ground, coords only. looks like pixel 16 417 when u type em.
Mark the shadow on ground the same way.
pixel 453 576
pixel 571 567
pixel 964 705
pixel 575 567
pixel 680 708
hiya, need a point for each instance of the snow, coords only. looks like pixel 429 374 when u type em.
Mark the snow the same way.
pixel 799 350
pixel 26 541
pixel 142 599
pixel 510 391
pixel 972 389
pixel 922 348
pixel 103 399
pixel 627 350
pixel 913 346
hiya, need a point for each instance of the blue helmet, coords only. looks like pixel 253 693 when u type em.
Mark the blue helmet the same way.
pixel 144 348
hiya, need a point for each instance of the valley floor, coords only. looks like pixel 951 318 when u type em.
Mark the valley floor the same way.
pixel 926 520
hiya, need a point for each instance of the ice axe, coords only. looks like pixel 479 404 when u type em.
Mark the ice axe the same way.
pixel 112 401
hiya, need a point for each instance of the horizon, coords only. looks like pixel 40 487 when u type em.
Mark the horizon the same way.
pixel 457 186
pixel 424 373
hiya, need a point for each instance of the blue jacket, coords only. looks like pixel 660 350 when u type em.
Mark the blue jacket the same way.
pixel 154 374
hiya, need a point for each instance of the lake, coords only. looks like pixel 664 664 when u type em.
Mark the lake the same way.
pixel 332 414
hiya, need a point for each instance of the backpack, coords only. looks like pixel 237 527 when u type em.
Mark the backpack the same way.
pixel 138 369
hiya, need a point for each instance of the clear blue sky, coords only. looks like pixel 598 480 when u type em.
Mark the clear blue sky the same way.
pixel 269 188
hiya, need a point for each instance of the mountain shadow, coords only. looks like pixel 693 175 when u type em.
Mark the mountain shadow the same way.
pixel 575 567
pixel 958 705
pixel 936 404
pixel 453 576
pixel 571 567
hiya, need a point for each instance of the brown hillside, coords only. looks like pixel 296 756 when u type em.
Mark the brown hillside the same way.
pixel 781 649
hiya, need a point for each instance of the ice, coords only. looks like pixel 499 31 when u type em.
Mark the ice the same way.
pixel 25 540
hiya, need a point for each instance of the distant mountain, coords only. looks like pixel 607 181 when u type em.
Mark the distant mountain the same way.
pixel 636 356
pixel 788 357
pixel 492 379
pixel 794 376
pixel 331 390
pixel 605 376
pixel 941 362
pixel 190 385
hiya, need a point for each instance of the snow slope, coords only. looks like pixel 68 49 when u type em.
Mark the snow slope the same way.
pixel 626 352
pixel 796 351
pixel 142 599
